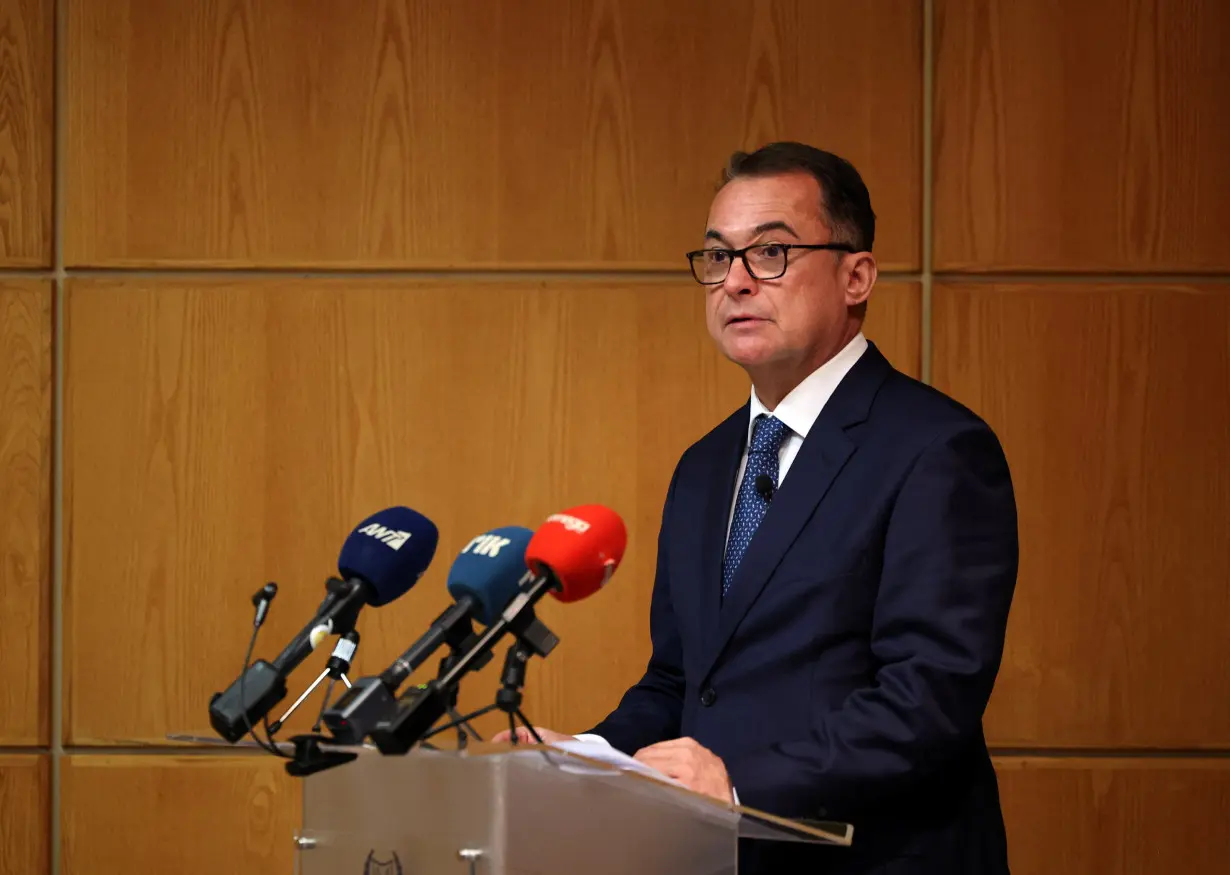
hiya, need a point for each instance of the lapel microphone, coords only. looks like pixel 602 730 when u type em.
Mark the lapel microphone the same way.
pixel 764 486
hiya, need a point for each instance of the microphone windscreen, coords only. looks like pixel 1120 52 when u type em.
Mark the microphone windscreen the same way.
pixel 583 546
pixel 389 550
pixel 489 570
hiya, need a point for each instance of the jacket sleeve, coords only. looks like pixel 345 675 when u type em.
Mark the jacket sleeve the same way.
pixel 941 612
pixel 651 710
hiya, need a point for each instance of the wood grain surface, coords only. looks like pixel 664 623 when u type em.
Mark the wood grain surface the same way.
pixel 25 814
pixel 1116 816
pixel 474 133
pixel 190 815
pixel 1113 403
pixel 25 511
pixel 1083 136
pixel 26 132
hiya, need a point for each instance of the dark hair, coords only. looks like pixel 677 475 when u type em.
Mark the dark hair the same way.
pixel 845 202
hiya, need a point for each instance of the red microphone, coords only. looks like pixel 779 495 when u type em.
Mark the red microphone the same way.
pixel 579 548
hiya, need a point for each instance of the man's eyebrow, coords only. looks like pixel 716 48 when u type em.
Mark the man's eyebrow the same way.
pixel 714 234
pixel 776 226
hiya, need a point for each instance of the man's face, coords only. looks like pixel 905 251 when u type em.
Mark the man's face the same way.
pixel 798 320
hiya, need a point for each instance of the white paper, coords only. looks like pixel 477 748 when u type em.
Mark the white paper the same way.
pixel 605 753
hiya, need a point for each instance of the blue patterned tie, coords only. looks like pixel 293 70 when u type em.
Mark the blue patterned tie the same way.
pixel 767 436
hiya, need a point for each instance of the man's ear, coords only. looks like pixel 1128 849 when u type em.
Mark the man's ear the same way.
pixel 861 273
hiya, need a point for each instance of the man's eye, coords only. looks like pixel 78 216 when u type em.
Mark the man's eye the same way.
pixel 771 250
pixel 717 256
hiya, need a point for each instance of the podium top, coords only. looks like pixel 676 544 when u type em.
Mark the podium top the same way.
pixel 567 759
pixel 751 823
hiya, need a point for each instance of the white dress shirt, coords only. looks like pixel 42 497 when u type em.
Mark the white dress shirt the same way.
pixel 798 411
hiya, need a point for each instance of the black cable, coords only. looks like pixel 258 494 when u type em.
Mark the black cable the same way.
pixel 267 745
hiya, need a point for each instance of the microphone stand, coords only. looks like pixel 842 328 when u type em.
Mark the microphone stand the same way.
pixel 277 724
pixel 464 729
pixel 507 698
pixel 339 661
pixel 324 703
pixel 309 758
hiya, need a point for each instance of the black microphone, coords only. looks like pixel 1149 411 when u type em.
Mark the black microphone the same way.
pixel 379 562
pixel 261 600
pixel 764 486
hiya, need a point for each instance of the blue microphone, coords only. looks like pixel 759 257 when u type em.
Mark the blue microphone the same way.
pixel 485 575
pixel 484 578
pixel 381 559
pixel 388 553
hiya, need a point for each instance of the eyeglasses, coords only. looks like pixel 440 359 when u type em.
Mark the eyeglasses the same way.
pixel 764 261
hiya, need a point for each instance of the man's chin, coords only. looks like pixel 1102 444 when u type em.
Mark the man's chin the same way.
pixel 749 357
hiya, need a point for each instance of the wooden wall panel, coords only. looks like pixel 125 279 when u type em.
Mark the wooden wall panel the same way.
pixel 1113 403
pixel 190 815
pixel 473 133
pixel 26 88
pixel 221 435
pixel 25 815
pixel 25 511
pixel 1116 816
pixel 894 324
pixel 1081 136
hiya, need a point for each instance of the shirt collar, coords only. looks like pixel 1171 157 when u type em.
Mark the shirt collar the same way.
pixel 800 408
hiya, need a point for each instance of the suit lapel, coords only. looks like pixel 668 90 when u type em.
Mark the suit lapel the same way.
pixel 718 498
pixel 824 453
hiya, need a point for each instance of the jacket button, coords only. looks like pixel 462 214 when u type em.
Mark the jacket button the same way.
pixel 708 697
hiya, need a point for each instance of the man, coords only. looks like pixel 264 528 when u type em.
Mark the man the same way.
pixel 836 560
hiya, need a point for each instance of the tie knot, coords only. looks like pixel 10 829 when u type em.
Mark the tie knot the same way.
pixel 768 434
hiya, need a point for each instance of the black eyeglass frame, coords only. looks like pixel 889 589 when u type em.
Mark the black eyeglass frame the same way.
pixel 741 254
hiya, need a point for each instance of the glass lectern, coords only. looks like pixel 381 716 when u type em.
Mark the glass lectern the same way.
pixel 521 810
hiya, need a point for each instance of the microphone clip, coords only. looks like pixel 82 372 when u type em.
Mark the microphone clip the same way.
pixel 512 681
pixel 310 759
pixel 341 619
pixel 336 667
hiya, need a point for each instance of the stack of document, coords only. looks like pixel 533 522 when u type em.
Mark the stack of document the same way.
pixel 604 753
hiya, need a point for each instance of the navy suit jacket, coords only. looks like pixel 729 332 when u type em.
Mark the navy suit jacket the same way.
pixel 845 675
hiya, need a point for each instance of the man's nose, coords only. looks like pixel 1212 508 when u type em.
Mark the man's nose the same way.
pixel 738 281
